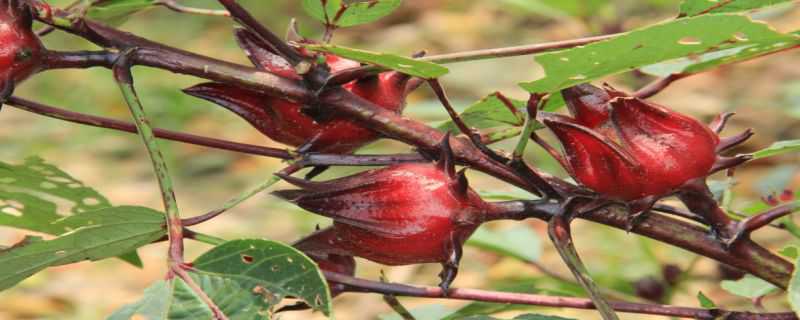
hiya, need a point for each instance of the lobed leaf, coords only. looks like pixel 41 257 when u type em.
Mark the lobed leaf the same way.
pixel 695 7
pixel 271 269
pixel 649 45
pixel 106 233
pixel 416 68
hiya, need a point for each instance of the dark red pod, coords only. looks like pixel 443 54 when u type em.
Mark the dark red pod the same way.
pixel 398 215
pixel 627 148
pixel 21 51
pixel 285 121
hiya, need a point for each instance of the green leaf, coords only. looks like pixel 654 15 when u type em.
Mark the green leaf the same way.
pixel 272 267
pixel 661 42
pixel 763 44
pixel 519 242
pixel 421 69
pixel 106 233
pixel 695 7
pixel 778 148
pixel 174 299
pixel 559 8
pixel 705 302
pixel 325 13
pixel 489 112
pixel 793 292
pixel 366 12
pixel 790 251
pixel 36 194
pixel 116 12
pixel 748 287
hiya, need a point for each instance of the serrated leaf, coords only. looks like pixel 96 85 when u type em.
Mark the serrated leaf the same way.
pixel 322 10
pixel 649 45
pixel 793 291
pixel 778 148
pixel 705 302
pixel 116 12
pixel 175 300
pixel 107 232
pixel 694 7
pixel 421 69
pixel 271 267
pixel 35 194
pixel 748 287
pixel 519 242
pixel 489 112
pixel 366 12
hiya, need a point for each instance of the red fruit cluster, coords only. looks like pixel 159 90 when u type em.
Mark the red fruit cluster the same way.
pixel 401 214
pixel 21 51
pixel 627 148
pixel 285 121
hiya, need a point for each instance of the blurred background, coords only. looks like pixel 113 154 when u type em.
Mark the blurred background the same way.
pixel 765 94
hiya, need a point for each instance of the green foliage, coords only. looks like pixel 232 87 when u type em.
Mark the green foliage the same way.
pixel 270 267
pixel 105 233
pixel 35 194
pixel 646 46
pixel 489 112
pixel 115 12
pixel 558 8
pixel 339 14
pixel 519 242
pixel 793 292
pixel 705 302
pixel 778 148
pixel 421 69
pixel 521 317
pixel 695 7
pixel 425 312
pixel 748 287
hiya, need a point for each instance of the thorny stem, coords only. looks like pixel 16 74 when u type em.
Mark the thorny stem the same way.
pixel 118 125
pixel 361 285
pixel 747 226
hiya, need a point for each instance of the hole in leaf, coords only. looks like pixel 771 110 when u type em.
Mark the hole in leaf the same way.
pixel 740 36
pixel 61 252
pixel 318 300
pixel 91 201
pixel 689 41
pixel 12 211
pixel 59 179
pixel 74 185
pixel 247 259
pixel 578 77
pixel 48 185
pixel 565 59
pixel 289 259
pixel 275 268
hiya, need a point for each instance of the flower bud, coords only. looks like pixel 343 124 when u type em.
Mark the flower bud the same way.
pixel 627 148
pixel 21 52
pixel 285 121
pixel 398 215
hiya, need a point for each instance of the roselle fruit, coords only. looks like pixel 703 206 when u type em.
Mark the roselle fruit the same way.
pixel 21 52
pixel 626 148
pixel 289 122
pixel 398 215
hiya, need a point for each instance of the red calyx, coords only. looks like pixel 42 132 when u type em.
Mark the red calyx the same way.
pixel 398 215
pixel 21 51
pixel 285 121
pixel 627 148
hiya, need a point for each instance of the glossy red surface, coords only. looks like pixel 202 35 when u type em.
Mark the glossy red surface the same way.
pixel 21 51
pixel 284 121
pixel 402 214
pixel 627 148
